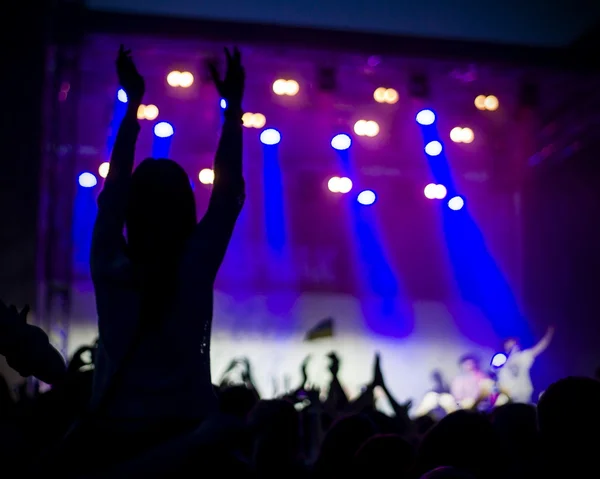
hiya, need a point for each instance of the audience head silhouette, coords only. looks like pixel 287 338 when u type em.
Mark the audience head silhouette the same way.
pixel 162 212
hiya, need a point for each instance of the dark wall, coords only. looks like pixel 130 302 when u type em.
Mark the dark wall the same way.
pixel 562 262
pixel 21 84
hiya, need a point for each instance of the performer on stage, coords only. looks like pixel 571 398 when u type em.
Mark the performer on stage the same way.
pixel 469 388
pixel 472 384
pixel 514 378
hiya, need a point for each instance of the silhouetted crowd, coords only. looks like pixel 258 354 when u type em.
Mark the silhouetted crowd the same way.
pixel 141 401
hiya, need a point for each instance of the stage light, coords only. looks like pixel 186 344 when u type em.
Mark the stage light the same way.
pixel 247 120
pixel 456 134
pixel 341 142
pixel 173 78
pixel 279 87
pixel 433 148
pixel 206 176
pixel 87 180
pixel 223 103
pixel 425 117
pixel 151 112
pixel 334 184
pixel 379 95
pixel 186 80
pixel 480 102
pixel 122 96
pixel 440 192
pixel 456 203
pixel 467 135
pixel 368 128
pixel 103 169
pixel 491 103
pixel 435 192
pixel 391 96
pixel 366 197
pixel 462 135
pixel 147 112
pixel 254 120
pixel 344 185
pixel 180 79
pixel 386 95
pixel 286 87
pixel 259 120
pixel 293 87
pixel 371 129
pixel 498 360
pixel 359 127
pixel 270 137
pixel 163 129
pixel 430 191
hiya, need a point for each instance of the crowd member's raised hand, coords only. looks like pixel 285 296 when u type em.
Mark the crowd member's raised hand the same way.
pixel 27 348
pixel 129 77
pixel 231 86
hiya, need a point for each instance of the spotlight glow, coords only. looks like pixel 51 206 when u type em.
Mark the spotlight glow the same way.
pixel 286 87
pixel 173 78
pixel 366 197
pixel 151 112
pixel 467 135
pixel 186 80
pixel 279 87
pixel 122 96
pixel 462 135
pixel 456 134
pixel 480 102
pixel 259 120
pixel 433 148
pixel 270 137
pixel 345 185
pixel 103 169
pixel 456 203
pixel 254 120
pixel 385 95
pixel 293 87
pixel 425 117
pixel 341 142
pixel 491 103
pixel 206 176
pixel 440 192
pixel 334 184
pixel 367 128
pixel 391 96
pixel 435 192
pixel 163 129
pixel 430 191
pixel 223 103
pixel 87 180
pixel 379 94
pixel 498 360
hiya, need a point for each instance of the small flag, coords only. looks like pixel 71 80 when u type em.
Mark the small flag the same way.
pixel 323 329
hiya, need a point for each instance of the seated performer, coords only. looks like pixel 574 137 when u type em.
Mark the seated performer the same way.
pixel 470 388
pixel 472 384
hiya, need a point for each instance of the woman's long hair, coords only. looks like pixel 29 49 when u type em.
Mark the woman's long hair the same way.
pixel 161 217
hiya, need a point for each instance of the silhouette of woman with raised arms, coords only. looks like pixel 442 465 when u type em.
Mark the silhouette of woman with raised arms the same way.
pixel 154 290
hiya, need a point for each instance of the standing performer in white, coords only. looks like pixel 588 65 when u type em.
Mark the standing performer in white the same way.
pixel 514 378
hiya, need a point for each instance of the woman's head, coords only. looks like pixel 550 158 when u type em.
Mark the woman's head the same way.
pixel 161 213
pixel 161 216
